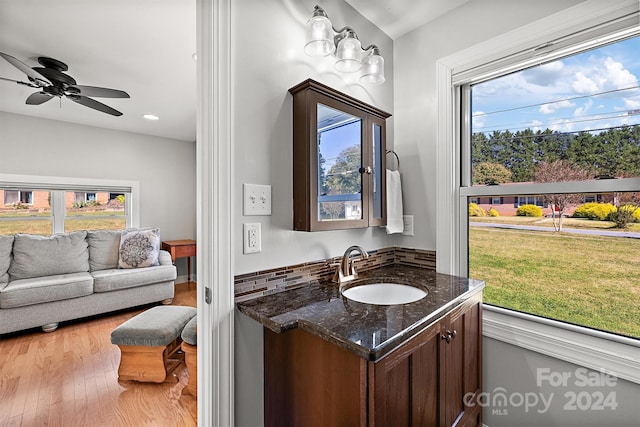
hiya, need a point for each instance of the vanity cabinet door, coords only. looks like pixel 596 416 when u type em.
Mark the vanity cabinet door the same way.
pixel 461 364
pixel 404 387
pixel 339 147
pixel 426 381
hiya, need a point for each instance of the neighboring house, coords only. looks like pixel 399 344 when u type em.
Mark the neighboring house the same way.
pixel 40 200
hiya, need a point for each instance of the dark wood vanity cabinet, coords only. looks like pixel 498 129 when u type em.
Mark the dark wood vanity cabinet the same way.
pixel 423 382
pixel 339 147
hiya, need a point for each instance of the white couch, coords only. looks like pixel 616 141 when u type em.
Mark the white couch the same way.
pixel 47 280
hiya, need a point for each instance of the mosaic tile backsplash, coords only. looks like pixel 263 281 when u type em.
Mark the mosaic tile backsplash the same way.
pixel 259 283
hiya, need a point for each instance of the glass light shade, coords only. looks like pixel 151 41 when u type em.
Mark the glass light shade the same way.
pixel 372 69
pixel 348 54
pixel 319 37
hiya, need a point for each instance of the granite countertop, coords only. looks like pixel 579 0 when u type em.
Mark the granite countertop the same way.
pixel 370 331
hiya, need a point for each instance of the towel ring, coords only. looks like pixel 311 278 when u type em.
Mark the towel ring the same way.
pixel 397 158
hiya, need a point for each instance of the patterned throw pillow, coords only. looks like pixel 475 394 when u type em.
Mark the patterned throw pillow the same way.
pixel 139 248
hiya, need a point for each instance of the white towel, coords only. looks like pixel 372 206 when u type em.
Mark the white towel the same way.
pixel 394 203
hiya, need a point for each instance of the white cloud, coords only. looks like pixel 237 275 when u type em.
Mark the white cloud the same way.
pixel 477 120
pixel 545 75
pixel 581 111
pixel 552 107
pixel 583 84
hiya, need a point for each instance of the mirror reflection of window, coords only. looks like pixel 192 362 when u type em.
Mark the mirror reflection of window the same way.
pixel 339 163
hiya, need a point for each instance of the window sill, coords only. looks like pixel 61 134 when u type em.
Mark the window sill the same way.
pixel 601 351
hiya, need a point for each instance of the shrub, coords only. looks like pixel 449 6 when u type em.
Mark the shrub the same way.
pixel 529 210
pixel 493 212
pixel 475 210
pixel 120 198
pixel 632 211
pixel 593 210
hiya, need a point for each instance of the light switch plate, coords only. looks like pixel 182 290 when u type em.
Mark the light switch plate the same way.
pixel 256 199
pixel 251 238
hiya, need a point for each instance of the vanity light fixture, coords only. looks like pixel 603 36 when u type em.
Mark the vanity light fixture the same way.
pixel 324 40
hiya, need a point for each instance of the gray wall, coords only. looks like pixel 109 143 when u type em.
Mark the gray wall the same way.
pixel 165 168
pixel 268 60
pixel 537 396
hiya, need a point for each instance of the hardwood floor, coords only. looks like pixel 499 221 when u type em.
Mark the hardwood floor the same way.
pixel 70 378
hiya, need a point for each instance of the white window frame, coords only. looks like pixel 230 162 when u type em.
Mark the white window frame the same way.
pixel 58 186
pixel 587 24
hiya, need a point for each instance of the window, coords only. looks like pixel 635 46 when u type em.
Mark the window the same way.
pixel 94 211
pixel 558 135
pixel 26 211
pixel 54 205
pixel 15 197
pixel 496 200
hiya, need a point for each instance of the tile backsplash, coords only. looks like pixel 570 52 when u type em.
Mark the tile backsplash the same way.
pixel 259 283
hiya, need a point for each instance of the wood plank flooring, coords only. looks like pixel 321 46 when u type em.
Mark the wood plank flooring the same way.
pixel 70 378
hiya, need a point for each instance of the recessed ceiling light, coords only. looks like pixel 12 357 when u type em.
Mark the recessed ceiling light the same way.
pixel 150 117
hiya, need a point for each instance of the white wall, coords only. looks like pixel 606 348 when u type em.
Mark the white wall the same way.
pixel 165 168
pixel 268 40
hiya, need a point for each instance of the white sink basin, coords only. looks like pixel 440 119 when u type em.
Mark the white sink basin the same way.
pixel 384 293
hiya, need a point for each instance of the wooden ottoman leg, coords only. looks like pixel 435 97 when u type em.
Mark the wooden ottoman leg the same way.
pixel 142 363
pixel 191 360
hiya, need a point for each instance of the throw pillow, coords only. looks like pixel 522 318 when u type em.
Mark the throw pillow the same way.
pixel 139 248
pixel 6 245
pixel 37 256
pixel 104 246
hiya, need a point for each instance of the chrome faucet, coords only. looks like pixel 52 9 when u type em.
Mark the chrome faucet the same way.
pixel 346 271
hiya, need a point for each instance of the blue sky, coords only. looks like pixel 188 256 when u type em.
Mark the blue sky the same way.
pixel 592 90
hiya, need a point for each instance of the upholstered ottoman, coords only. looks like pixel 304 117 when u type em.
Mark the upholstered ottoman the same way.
pixel 149 343
pixel 190 349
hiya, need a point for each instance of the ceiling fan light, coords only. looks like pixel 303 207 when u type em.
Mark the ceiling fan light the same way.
pixel 348 53
pixel 319 34
pixel 373 68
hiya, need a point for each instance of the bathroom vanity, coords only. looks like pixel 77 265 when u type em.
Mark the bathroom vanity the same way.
pixel 332 361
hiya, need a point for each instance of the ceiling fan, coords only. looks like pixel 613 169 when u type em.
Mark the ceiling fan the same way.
pixel 52 82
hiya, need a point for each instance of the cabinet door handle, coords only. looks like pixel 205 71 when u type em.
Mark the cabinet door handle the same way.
pixel 446 337
pixel 452 334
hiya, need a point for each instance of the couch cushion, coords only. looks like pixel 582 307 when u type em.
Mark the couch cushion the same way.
pixel 103 249
pixel 6 245
pixel 139 248
pixel 38 290
pixel 37 256
pixel 115 279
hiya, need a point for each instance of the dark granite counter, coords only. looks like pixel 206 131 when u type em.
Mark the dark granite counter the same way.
pixel 370 331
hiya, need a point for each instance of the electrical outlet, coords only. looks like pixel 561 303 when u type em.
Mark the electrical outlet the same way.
pixel 251 239
pixel 256 199
pixel 407 222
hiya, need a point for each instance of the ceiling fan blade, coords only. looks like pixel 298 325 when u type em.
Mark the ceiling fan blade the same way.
pixel 38 98
pixel 92 103
pixel 100 92
pixel 36 76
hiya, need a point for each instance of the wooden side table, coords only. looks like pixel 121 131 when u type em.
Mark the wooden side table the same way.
pixel 181 249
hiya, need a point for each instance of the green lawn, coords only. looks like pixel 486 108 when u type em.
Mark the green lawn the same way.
pixel 587 280
pixel 111 220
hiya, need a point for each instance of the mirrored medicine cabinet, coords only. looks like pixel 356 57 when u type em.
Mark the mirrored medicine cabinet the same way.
pixel 339 146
